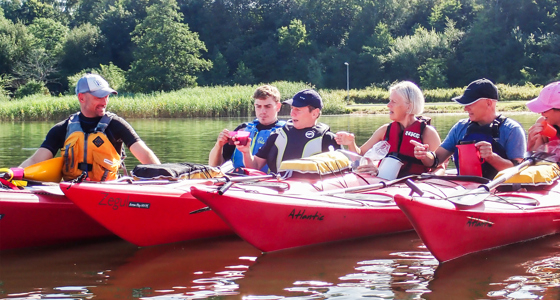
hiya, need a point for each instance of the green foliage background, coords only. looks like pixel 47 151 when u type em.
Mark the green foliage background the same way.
pixel 169 45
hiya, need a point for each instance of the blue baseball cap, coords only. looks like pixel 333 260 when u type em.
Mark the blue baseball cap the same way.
pixel 306 98
pixel 95 85
pixel 478 89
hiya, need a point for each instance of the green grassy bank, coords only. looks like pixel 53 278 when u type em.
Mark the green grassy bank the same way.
pixel 236 101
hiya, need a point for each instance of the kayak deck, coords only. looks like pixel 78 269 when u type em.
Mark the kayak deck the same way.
pixel 450 231
pixel 273 221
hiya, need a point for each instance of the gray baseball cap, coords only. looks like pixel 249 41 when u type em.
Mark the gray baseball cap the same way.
pixel 95 85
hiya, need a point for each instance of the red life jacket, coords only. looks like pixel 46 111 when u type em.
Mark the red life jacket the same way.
pixel 399 140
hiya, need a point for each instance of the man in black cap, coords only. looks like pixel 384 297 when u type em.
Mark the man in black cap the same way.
pixel 302 136
pixel 501 141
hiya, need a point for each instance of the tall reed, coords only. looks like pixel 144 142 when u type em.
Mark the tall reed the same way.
pixel 221 101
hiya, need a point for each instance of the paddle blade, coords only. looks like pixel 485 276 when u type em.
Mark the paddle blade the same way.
pixel 469 197
pixel 47 171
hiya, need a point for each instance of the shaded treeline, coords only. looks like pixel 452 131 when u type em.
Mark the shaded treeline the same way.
pixel 163 45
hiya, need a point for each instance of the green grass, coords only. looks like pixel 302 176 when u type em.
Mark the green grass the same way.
pixel 379 95
pixel 236 101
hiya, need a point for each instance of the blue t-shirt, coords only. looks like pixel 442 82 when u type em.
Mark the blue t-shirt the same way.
pixel 512 137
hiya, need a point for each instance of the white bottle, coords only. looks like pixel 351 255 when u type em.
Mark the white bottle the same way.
pixel 376 153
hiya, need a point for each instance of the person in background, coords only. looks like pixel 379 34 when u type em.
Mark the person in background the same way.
pixel 267 106
pixel 91 140
pixel 548 105
pixel 500 140
pixel 302 136
pixel 406 103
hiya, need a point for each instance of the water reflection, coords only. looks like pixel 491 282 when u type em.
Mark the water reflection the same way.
pixel 194 270
pixel 388 267
pixel 528 270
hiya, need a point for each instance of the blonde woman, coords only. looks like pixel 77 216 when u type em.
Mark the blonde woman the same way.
pixel 406 129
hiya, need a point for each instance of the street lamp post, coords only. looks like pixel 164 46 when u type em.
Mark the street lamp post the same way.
pixel 347 81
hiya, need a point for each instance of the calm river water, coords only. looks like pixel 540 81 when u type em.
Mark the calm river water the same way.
pixel 389 267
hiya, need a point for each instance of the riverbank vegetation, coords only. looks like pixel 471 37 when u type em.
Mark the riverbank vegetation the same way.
pixel 236 101
pixel 145 46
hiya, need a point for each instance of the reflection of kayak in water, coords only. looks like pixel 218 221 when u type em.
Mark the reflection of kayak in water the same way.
pixel 273 222
pixel 520 271
pixel 202 267
pixel 360 268
pixel 38 273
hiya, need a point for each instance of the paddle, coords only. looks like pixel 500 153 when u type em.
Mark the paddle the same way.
pixel 476 196
pixel 49 170
pixel 363 188
pixel 227 179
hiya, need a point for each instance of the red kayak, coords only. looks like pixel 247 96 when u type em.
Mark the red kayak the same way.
pixel 145 215
pixel 452 230
pixel 42 215
pixel 149 214
pixel 274 221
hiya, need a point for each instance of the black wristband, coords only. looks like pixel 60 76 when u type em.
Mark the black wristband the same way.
pixel 436 160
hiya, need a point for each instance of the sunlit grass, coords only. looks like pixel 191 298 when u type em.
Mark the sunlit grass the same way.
pixel 236 101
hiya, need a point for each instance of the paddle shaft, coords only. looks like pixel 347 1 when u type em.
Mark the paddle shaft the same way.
pixel 363 188
pixel 226 179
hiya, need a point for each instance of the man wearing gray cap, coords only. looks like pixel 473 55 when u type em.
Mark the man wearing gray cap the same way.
pixel 302 136
pixel 500 140
pixel 91 140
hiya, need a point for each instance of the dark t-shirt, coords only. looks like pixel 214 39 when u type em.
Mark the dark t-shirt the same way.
pixel 118 132
pixel 227 149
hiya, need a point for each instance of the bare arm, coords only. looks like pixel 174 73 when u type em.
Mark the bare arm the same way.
pixel 431 137
pixel 215 158
pixel 348 139
pixel 144 154
pixel 374 139
pixel 535 139
pixel 424 153
pixel 499 163
pixel 40 155
pixel 249 160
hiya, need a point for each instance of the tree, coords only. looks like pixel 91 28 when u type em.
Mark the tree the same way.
pixel 15 45
pixel 243 75
pixel 84 48
pixel 432 73
pixel 315 73
pixel 37 66
pixel 409 52
pixel 329 21
pixel 5 83
pixel 167 53
pixel 219 74
pixel 294 47
pixel 293 37
pixel 50 35
pixel 31 87
pixel 116 24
